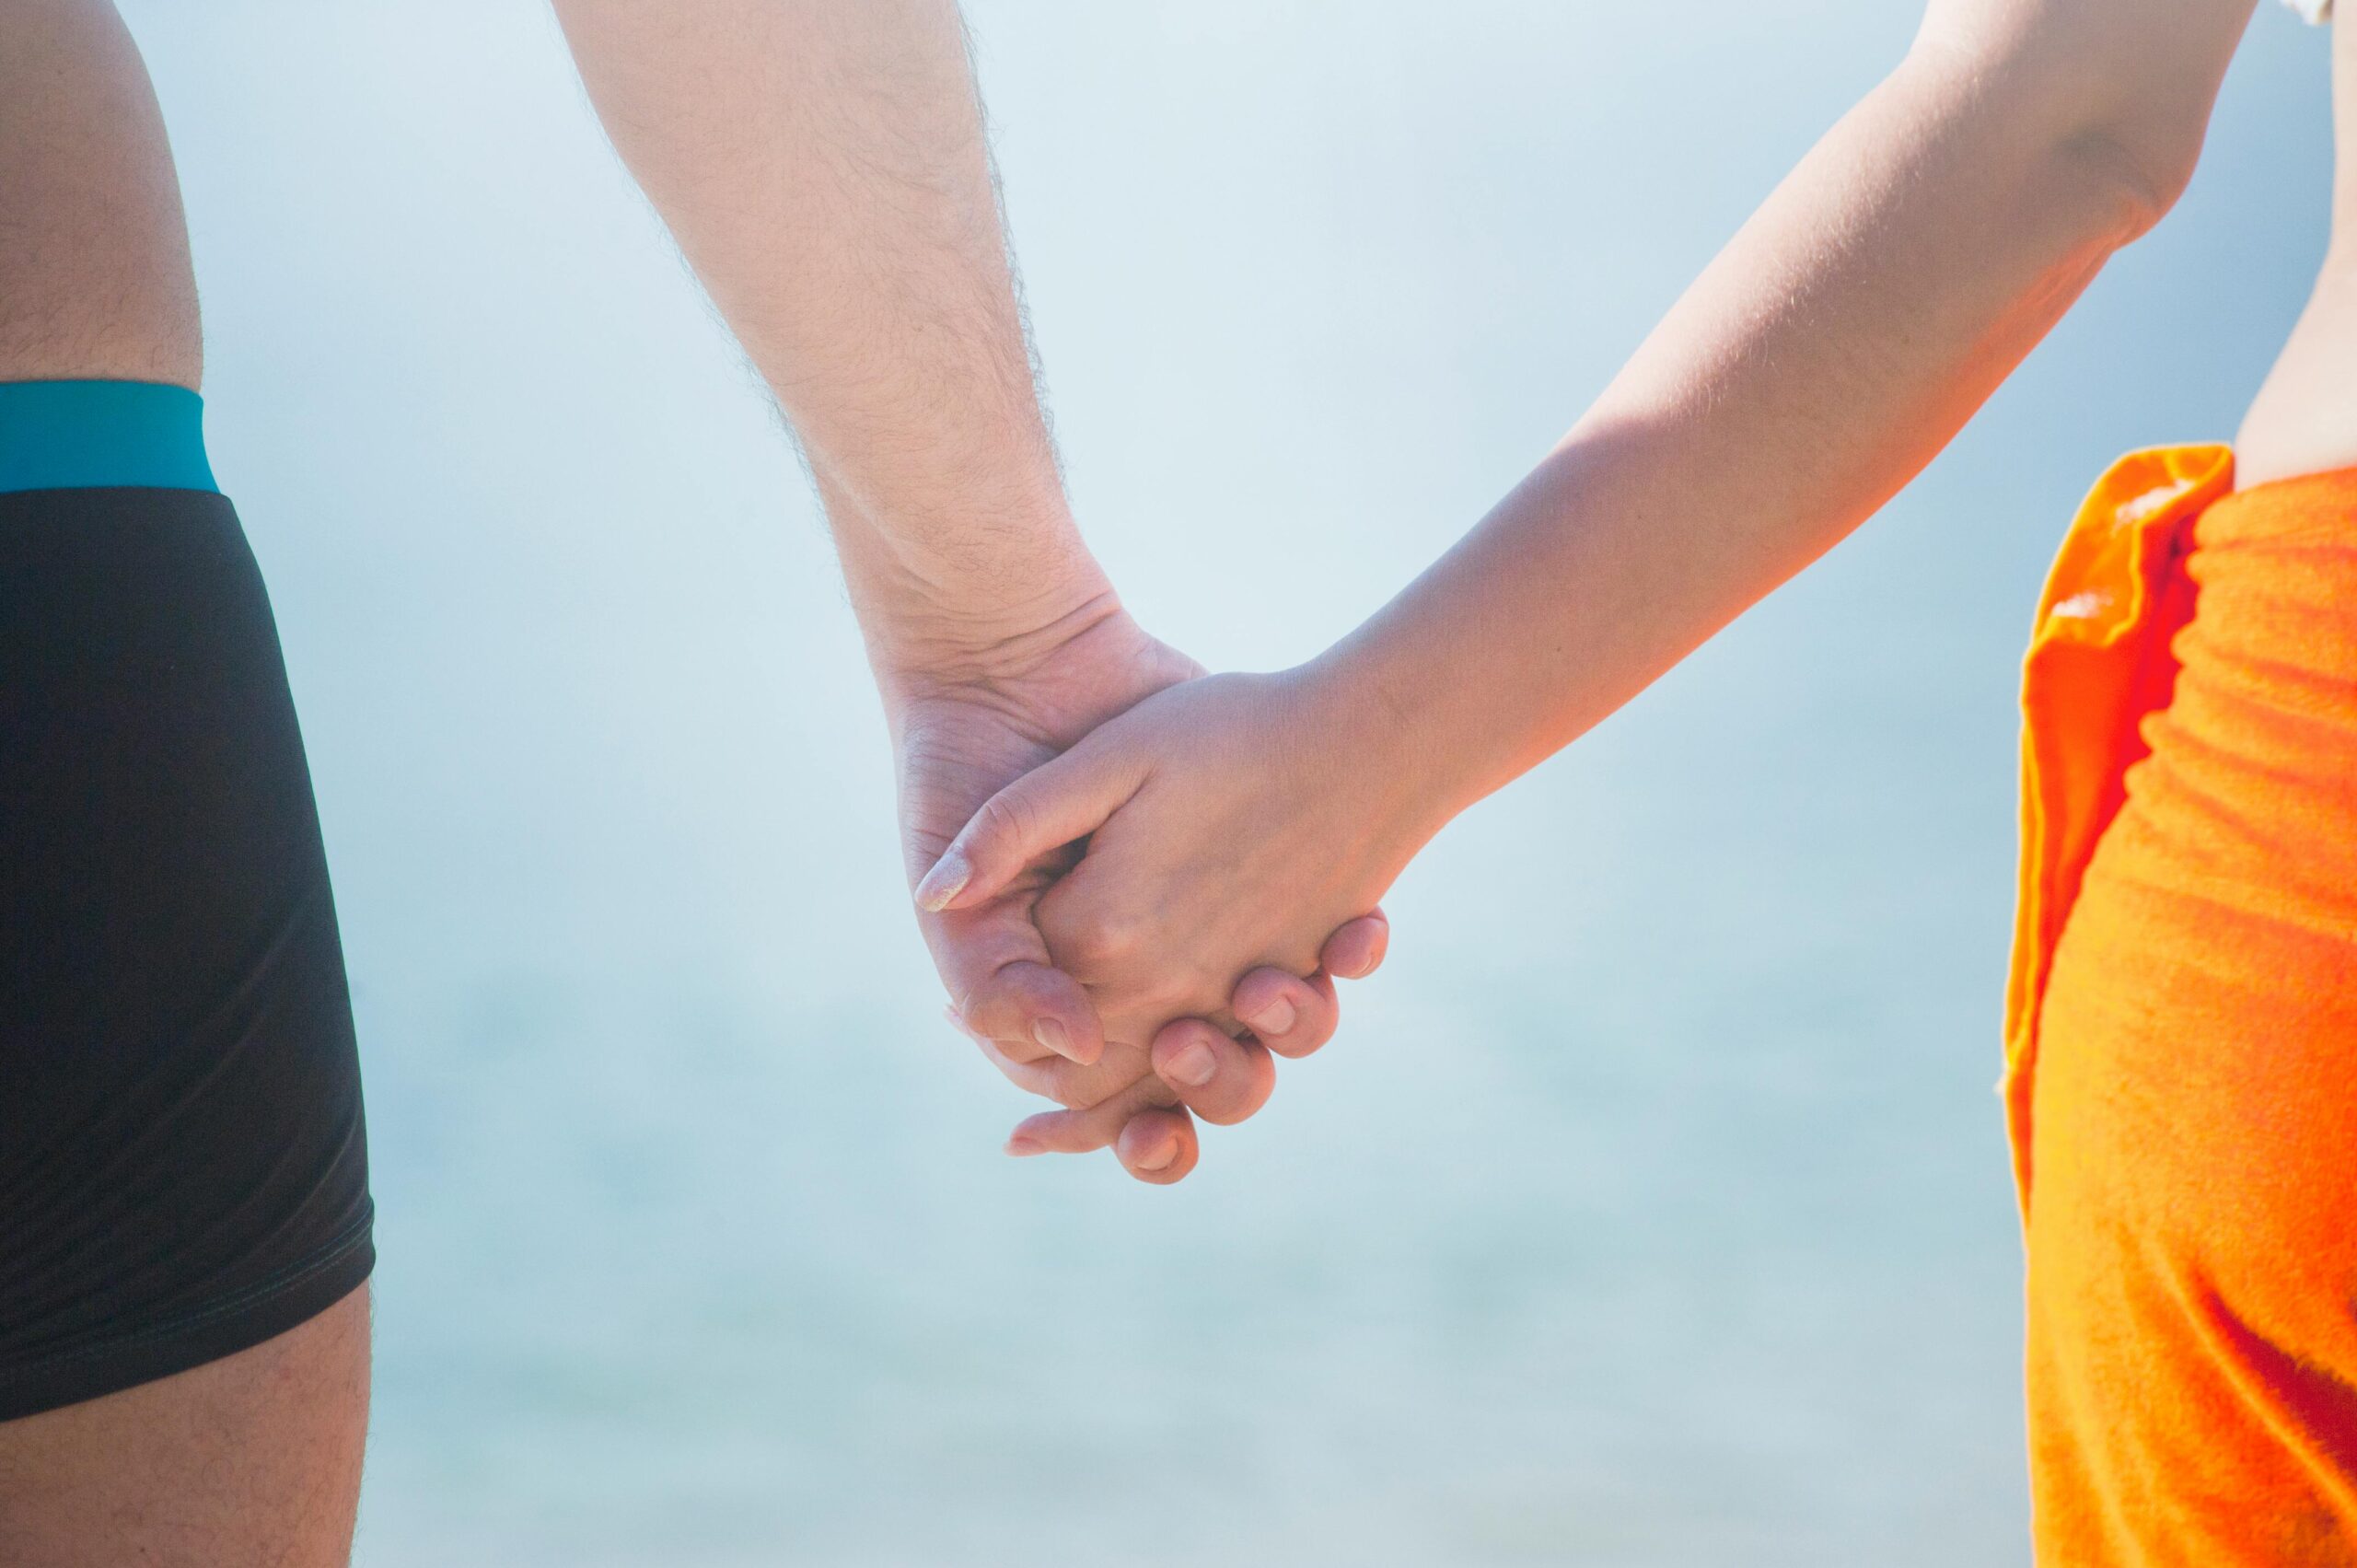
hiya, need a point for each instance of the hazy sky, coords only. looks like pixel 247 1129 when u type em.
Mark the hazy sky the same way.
pixel 1313 283
pixel 1656 1182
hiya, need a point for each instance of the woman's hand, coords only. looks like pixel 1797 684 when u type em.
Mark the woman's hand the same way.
pixel 965 726
pixel 1233 824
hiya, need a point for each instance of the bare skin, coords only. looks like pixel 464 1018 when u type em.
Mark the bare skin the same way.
pixel 996 640
pixel 253 1458
pixel 95 280
pixel 1884 291
pixel 823 167
pixel 2304 418
pixel 256 1457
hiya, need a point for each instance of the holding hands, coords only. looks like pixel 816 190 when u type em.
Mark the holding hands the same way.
pixel 1234 825
pixel 824 171
pixel 1136 1004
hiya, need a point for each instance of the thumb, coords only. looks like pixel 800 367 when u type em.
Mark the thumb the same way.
pixel 1066 798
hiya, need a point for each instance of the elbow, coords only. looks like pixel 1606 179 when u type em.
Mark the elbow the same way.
pixel 2092 182
pixel 2096 123
pixel 2130 173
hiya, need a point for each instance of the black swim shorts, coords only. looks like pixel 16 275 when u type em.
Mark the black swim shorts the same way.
pixel 184 1166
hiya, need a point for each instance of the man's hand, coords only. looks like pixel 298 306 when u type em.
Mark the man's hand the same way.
pixel 962 735
pixel 823 167
pixel 1225 826
pixel 1136 1103
pixel 962 732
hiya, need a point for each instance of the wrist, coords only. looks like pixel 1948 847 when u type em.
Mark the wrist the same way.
pixel 926 647
pixel 1388 736
pixel 966 605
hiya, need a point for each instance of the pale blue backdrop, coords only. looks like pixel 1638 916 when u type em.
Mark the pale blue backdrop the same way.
pixel 1652 1209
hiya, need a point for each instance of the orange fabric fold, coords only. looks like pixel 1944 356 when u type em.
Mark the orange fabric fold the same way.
pixel 2181 1029
pixel 2099 662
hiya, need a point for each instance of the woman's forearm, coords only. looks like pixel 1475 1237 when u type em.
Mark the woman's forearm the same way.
pixel 1840 340
pixel 823 167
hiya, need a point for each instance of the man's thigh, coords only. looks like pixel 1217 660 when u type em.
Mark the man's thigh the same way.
pixel 252 1460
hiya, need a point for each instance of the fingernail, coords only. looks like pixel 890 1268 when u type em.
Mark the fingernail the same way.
pixel 1051 1034
pixel 1194 1067
pixel 944 882
pixel 1161 1157
pixel 1275 1019
pixel 1023 1146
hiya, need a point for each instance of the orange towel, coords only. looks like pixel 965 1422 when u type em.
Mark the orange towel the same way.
pixel 2181 1030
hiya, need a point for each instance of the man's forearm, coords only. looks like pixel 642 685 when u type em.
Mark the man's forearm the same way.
pixel 823 167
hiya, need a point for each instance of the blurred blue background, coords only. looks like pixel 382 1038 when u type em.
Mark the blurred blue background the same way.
pixel 1652 1208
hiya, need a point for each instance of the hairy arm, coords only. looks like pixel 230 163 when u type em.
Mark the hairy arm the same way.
pixel 823 167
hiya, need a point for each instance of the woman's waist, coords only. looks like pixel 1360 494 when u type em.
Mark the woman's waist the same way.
pixel 2304 418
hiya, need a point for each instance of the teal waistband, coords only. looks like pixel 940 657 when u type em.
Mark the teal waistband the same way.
pixel 97 434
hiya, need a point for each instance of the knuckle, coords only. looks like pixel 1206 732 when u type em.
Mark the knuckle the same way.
pixel 1003 821
pixel 1313 1017
pixel 1257 990
pixel 1180 1033
pixel 1106 942
pixel 984 1011
pixel 1072 1094
pixel 1091 1128
pixel 1087 1088
pixel 1254 1001
pixel 1032 991
pixel 1164 997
